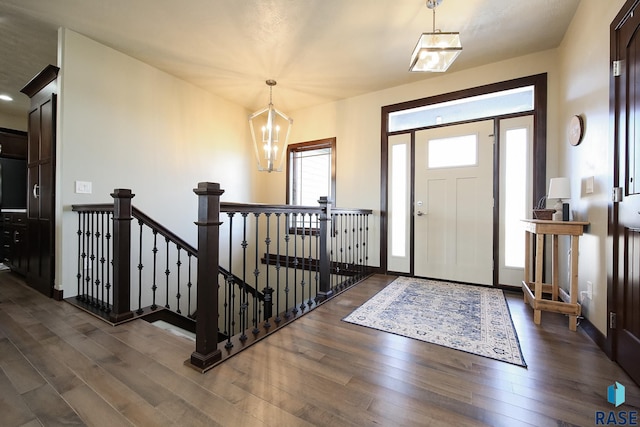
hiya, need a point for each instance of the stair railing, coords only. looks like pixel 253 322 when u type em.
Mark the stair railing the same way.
pixel 256 267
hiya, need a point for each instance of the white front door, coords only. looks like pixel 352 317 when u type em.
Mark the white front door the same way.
pixel 453 204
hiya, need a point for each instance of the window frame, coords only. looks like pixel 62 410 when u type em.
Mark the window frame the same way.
pixel 309 146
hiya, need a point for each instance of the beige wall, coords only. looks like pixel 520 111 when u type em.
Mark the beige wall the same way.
pixel 356 122
pixel 13 122
pixel 124 124
pixel 584 90
pixel 578 84
pixel 118 110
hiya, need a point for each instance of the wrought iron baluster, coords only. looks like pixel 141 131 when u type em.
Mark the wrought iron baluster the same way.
pixel 310 259
pixel 294 310
pixel 244 315
pixel 154 286
pixel 80 259
pixel 189 285
pixel 109 261
pixel 92 258
pixel 343 234
pixel 302 258
pixel 140 267
pixel 365 247
pixel 167 272
pixel 287 238
pixel 360 245
pixel 256 273
pixel 231 297
pixel 352 250
pixel 318 255
pixel 267 291
pixel 103 306
pixel 178 265
pixel 335 264
pixel 278 319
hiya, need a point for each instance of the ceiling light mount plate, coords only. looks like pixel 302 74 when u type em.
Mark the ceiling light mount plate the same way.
pixel 432 4
pixel 272 82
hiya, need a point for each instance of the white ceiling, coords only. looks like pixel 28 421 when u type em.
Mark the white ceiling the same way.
pixel 318 50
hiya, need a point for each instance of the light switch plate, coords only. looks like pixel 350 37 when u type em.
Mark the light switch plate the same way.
pixel 588 187
pixel 83 187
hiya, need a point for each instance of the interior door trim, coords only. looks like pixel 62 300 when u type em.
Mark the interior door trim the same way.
pixel 539 81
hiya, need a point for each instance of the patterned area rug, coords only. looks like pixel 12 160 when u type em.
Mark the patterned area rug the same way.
pixel 470 318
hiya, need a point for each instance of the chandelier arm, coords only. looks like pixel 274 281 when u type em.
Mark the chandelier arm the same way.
pixel 257 113
pixel 284 116
pixel 255 146
pixel 284 148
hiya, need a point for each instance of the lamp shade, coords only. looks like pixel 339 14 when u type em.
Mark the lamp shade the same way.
pixel 559 188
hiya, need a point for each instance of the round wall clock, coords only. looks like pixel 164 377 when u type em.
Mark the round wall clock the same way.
pixel 576 130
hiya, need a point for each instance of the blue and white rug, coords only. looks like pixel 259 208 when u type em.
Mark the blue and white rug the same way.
pixel 469 318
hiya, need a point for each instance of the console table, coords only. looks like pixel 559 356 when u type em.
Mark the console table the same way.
pixel 534 287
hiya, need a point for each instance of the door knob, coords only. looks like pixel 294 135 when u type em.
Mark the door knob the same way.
pixel 36 191
pixel 420 213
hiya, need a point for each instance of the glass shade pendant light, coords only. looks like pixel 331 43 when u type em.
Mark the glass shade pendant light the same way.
pixel 435 51
pixel 270 123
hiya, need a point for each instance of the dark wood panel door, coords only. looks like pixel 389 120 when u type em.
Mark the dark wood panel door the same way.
pixel 41 180
pixel 626 215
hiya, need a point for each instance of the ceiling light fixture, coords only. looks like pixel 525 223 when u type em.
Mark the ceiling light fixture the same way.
pixel 270 121
pixel 435 51
pixel 6 97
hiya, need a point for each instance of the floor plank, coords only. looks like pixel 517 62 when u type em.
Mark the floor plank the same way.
pixel 59 365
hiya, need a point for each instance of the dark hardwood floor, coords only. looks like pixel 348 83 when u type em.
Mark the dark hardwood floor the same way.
pixel 61 366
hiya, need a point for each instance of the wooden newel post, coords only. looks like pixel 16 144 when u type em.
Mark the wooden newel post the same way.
pixel 121 309
pixel 324 256
pixel 207 352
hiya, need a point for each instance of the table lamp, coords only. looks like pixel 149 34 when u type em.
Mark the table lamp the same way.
pixel 560 188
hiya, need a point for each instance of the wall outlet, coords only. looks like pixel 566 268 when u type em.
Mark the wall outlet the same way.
pixel 589 289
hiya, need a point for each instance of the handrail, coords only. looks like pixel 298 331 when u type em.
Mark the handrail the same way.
pixel 155 225
pixel 165 232
pixel 302 255
pixel 267 208
pixel 106 207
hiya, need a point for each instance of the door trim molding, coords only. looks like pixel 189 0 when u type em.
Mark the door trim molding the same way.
pixel 610 342
pixel 539 81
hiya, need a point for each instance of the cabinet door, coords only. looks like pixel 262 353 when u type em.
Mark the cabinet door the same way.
pixel 40 177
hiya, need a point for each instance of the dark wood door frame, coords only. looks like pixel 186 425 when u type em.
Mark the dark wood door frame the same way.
pixel 539 81
pixel 616 348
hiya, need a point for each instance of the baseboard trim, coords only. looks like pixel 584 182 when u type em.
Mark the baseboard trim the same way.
pixel 595 335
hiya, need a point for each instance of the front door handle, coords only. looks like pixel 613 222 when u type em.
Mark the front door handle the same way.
pixel 420 213
pixel 36 191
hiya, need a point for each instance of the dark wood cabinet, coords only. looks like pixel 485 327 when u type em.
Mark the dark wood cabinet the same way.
pixel 13 226
pixel 41 180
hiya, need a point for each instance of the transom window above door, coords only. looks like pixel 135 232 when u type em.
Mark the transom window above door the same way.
pixel 510 101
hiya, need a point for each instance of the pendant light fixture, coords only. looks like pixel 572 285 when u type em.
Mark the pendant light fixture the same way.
pixel 435 51
pixel 270 124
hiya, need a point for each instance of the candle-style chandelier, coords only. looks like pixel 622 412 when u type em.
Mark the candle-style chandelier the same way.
pixel 269 122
